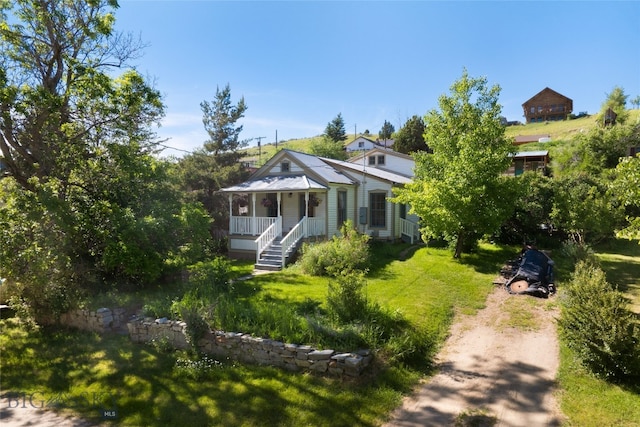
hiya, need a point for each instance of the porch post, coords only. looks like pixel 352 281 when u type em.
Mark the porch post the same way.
pixel 279 197
pixel 306 213
pixel 231 230
pixel 253 214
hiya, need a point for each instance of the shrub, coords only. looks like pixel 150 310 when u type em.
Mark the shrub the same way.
pixel 210 278
pixel 346 300
pixel 598 326
pixel 342 254
pixel 193 311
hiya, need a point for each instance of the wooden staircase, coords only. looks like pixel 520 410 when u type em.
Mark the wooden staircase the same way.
pixel 271 257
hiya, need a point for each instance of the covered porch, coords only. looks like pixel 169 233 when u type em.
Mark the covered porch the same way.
pixel 271 216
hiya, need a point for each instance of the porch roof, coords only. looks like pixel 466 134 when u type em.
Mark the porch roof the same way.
pixel 276 183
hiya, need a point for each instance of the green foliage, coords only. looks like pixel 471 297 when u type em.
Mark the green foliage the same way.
pixel 598 150
pixel 410 137
pixel 348 252
pixel 583 208
pixel 458 191
pixel 217 164
pixel 387 130
pixel 598 326
pixel 346 298
pixel 335 130
pixel 325 147
pixel 626 187
pixel 194 312
pixel 203 368
pixel 211 278
pixel 617 101
pixel 532 203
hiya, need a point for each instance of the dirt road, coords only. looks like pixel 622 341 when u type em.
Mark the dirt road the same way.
pixel 497 368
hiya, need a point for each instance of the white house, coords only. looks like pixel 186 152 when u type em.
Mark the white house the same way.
pixel 364 144
pixel 386 159
pixel 297 196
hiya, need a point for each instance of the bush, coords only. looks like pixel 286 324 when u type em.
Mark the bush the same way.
pixel 211 278
pixel 346 300
pixel 342 254
pixel 598 326
pixel 193 311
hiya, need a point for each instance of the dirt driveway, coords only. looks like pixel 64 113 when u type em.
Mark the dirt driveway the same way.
pixel 497 368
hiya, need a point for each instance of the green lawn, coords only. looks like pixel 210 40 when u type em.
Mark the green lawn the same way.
pixel 427 288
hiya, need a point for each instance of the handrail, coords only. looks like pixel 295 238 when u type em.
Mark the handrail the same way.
pixel 409 228
pixel 267 237
pixel 292 238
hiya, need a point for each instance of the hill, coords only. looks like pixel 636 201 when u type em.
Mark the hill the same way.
pixel 558 131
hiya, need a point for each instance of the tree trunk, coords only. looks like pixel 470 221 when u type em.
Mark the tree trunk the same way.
pixel 459 245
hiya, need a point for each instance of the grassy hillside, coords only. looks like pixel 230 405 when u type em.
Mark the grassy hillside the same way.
pixel 559 131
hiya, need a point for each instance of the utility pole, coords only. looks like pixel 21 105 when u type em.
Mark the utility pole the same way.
pixel 259 138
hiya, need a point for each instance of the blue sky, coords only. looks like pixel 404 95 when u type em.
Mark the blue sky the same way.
pixel 299 64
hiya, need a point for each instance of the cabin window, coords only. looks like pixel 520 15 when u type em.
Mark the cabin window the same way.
pixel 381 160
pixel 372 160
pixel 360 144
pixel 377 210
pixel 285 167
pixel 342 207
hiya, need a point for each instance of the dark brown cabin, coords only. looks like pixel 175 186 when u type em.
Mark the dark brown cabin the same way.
pixel 547 105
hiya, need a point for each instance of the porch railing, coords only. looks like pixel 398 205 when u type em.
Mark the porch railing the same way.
pixel 292 238
pixel 250 225
pixel 315 227
pixel 409 228
pixel 265 239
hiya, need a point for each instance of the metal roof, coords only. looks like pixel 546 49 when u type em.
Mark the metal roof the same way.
pixel 531 154
pixel 320 167
pixel 276 183
pixel 375 172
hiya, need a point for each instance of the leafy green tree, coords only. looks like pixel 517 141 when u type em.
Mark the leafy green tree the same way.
pixel 410 137
pixel 617 101
pixel 387 130
pixel 533 204
pixel 217 164
pixel 626 187
pixel 583 208
pixel 335 130
pixel 458 191
pixel 84 195
pixel 636 101
pixel 324 147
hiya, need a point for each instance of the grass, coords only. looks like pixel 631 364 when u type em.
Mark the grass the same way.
pixel 590 402
pixel 561 132
pixel 586 400
pixel 428 288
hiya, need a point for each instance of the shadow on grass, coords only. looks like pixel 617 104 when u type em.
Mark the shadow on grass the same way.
pixel 139 382
pixel 620 259
pixel 489 260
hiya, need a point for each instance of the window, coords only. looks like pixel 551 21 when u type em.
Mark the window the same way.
pixel 381 160
pixel 342 207
pixel 285 167
pixel 403 211
pixel 360 144
pixel 533 110
pixel 377 210
pixel 372 160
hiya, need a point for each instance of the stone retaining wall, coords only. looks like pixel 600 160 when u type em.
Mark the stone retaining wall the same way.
pixel 235 346
pixel 249 349
pixel 101 320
